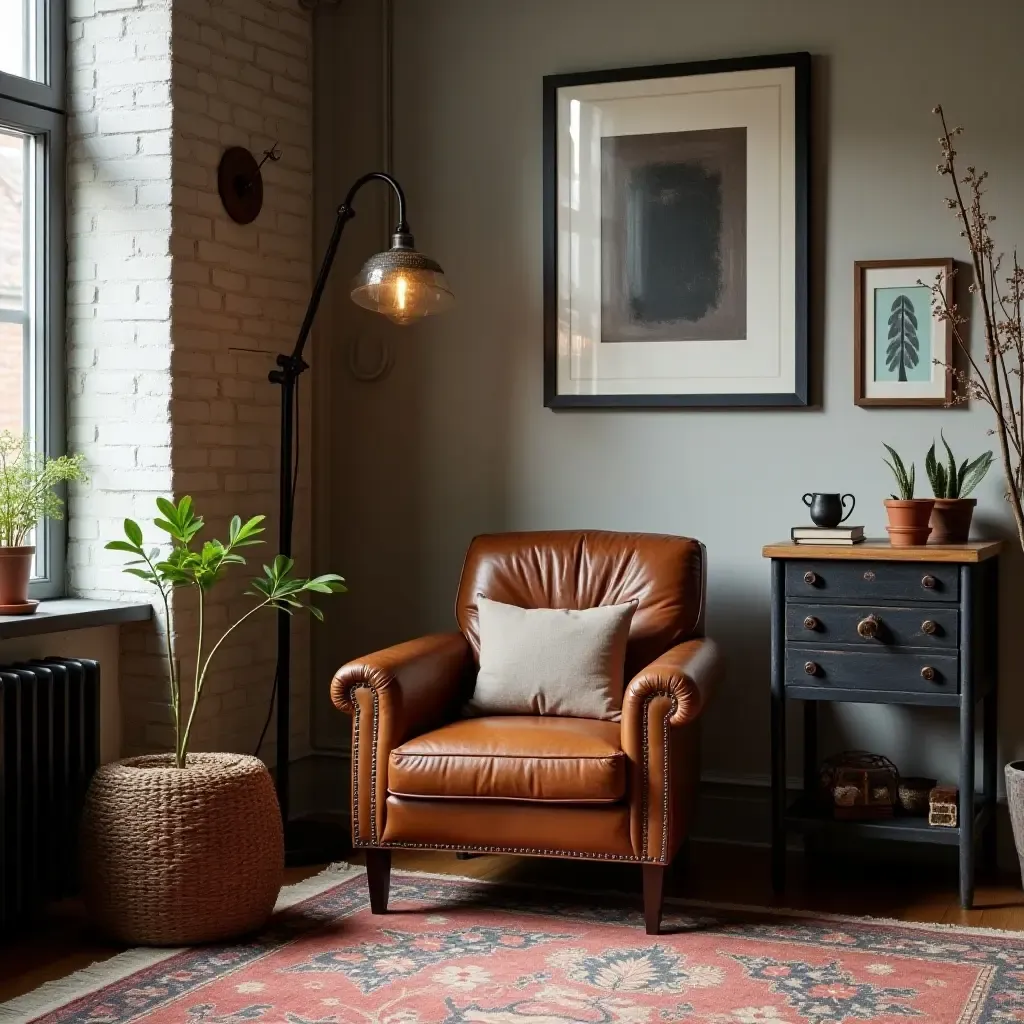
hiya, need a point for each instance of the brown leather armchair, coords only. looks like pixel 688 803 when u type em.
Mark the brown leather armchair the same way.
pixel 424 777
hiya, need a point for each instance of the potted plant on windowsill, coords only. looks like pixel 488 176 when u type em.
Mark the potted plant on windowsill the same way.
pixel 908 516
pixel 953 511
pixel 184 847
pixel 27 498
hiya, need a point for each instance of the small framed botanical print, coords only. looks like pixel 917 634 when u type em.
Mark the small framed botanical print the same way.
pixel 902 350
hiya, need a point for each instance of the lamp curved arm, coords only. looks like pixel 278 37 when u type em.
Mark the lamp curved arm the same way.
pixel 402 228
pixel 293 363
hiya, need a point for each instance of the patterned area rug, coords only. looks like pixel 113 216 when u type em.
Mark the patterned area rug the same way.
pixel 457 951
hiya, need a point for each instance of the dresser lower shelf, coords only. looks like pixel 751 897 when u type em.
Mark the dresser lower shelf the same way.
pixel 858 696
pixel 805 816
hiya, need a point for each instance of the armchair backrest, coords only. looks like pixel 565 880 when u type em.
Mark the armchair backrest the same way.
pixel 586 568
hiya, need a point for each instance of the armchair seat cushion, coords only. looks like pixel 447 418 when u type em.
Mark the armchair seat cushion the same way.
pixel 541 760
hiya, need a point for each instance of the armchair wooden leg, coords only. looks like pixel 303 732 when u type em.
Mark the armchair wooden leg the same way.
pixel 654 891
pixel 378 879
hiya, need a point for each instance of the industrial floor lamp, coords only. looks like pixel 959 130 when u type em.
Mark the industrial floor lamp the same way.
pixel 403 285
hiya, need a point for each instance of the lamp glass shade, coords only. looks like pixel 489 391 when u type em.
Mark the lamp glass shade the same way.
pixel 403 285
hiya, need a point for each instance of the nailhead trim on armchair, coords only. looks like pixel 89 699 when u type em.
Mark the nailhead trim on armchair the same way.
pixel 356 717
pixel 660 859
pixel 401 844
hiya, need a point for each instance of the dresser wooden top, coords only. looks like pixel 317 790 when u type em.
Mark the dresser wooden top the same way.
pixel 882 551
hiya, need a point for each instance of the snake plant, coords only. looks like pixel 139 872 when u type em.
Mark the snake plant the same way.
pixel 904 479
pixel 949 482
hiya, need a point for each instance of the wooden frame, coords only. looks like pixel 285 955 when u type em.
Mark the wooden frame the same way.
pixel 36 110
pixel 860 396
pixel 801 63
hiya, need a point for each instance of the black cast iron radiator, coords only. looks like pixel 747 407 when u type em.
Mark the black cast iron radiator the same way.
pixel 49 748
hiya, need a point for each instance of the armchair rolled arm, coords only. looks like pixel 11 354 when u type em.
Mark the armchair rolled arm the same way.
pixel 687 673
pixel 421 675
pixel 660 712
pixel 393 695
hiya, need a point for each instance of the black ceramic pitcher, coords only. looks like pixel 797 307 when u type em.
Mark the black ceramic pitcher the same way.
pixel 827 509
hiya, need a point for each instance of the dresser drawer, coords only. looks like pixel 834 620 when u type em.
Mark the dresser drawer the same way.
pixel 873 626
pixel 909 582
pixel 898 670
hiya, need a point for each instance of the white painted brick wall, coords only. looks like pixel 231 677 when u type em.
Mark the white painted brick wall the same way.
pixel 239 292
pixel 119 313
pixel 176 313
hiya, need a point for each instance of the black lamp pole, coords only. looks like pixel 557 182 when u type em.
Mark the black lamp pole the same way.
pixel 289 368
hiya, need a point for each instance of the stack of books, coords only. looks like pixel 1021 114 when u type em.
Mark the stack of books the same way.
pixel 823 535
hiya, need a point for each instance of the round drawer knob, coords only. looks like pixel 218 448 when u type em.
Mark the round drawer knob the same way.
pixel 928 582
pixel 811 668
pixel 929 627
pixel 811 579
pixel 868 628
pixel 811 623
pixel 928 673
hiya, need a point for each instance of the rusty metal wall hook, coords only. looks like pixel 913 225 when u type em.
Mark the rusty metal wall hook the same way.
pixel 273 155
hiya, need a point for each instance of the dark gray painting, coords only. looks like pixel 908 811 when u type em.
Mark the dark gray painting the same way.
pixel 673 236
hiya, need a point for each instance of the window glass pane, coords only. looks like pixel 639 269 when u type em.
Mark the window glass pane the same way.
pixel 17 249
pixel 12 379
pixel 13 152
pixel 17 37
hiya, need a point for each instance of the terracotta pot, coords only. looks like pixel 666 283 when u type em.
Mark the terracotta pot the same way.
pixel 1015 800
pixel 951 520
pixel 178 856
pixel 908 521
pixel 15 570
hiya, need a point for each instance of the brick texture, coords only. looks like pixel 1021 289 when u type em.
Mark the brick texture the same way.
pixel 176 314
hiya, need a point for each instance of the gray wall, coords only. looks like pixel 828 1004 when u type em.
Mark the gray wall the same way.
pixel 456 440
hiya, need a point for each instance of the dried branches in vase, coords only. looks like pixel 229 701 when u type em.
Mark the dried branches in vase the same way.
pixel 998 381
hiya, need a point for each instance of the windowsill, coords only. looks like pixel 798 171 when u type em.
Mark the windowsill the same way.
pixel 61 614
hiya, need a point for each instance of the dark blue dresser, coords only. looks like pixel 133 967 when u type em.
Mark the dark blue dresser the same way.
pixel 883 625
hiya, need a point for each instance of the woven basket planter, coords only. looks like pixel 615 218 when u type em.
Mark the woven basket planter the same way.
pixel 1015 799
pixel 176 856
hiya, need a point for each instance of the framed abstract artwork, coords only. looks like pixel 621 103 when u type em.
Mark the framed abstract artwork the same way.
pixel 901 349
pixel 676 235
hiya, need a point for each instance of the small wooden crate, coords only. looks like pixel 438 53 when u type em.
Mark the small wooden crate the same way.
pixel 942 805
pixel 859 786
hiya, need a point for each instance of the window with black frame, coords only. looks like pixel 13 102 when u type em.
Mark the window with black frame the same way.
pixel 32 257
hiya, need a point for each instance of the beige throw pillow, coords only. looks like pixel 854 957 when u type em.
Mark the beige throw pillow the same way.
pixel 551 661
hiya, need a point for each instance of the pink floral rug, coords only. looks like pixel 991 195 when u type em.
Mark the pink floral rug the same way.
pixel 455 951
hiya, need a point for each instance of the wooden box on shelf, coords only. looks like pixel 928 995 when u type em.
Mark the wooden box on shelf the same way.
pixel 914 792
pixel 860 786
pixel 942 804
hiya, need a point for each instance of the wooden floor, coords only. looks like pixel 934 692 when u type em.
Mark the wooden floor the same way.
pixel 62 943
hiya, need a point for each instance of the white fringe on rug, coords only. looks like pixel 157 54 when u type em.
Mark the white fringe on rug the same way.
pixel 55 994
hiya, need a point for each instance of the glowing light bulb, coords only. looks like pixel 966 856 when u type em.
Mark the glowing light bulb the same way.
pixel 402 284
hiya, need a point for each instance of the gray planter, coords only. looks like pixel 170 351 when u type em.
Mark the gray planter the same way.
pixel 1015 798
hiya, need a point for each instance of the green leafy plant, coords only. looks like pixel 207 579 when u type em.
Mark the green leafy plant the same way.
pixel 200 567
pixel 949 482
pixel 904 479
pixel 27 480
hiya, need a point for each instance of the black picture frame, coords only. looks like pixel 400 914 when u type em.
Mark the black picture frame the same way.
pixel 801 64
